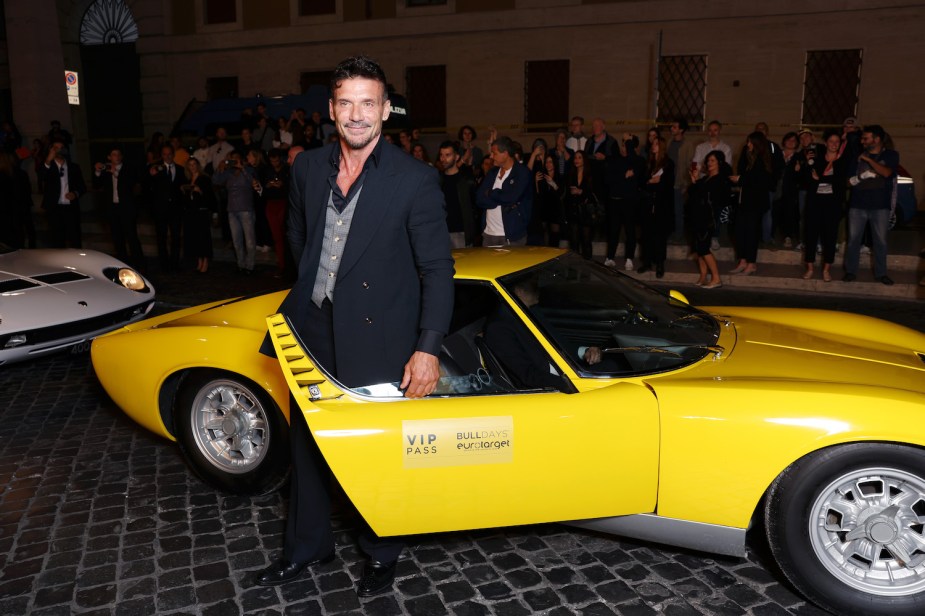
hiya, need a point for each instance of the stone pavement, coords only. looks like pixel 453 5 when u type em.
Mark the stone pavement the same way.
pixel 97 516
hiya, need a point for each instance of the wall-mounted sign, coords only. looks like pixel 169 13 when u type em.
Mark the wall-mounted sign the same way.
pixel 70 81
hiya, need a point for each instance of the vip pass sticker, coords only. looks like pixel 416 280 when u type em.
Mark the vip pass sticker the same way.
pixel 461 441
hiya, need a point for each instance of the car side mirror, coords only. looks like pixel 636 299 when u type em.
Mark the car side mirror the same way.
pixel 677 295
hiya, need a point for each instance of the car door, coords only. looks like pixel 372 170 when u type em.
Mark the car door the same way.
pixel 475 461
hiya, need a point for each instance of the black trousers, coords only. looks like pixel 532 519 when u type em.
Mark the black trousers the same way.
pixel 64 226
pixel 821 217
pixel 308 528
pixel 621 213
pixel 747 232
pixel 123 225
pixel 168 220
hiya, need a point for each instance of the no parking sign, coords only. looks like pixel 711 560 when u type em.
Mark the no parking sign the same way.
pixel 71 82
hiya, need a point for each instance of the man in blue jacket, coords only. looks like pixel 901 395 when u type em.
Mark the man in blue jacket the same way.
pixel 506 195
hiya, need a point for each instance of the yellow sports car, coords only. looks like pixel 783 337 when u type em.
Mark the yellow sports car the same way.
pixel 573 393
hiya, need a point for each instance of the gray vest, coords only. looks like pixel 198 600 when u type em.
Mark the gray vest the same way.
pixel 336 228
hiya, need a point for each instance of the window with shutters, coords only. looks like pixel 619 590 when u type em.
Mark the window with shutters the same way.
pixel 831 83
pixel 682 89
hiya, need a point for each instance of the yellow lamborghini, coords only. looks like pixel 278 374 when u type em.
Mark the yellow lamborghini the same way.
pixel 647 417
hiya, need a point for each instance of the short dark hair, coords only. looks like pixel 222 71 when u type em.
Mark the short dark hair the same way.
pixel 358 66
pixel 682 124
pixel 579 118
pixel 876 130
pixel 450 144
pixel 167 146
pixel 717 122
pixel 505 144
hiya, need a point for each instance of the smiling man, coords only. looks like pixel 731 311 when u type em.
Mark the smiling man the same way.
pixel 373 299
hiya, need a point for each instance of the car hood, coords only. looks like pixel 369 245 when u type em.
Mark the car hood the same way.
pixel 242 313
pixel 39 288
pixel 824 346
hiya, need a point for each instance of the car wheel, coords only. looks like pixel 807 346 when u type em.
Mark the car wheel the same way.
pixel 231 433
pixel 845 525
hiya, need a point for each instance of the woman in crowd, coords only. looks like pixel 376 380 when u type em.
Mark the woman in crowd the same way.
pixel 202 152
pixel 197 215
pixel 580 206
pixel 471 154
pixel 658 208
pixel 755 181
pixel 420 153
pixel 483 168
pixel 707 195
pixel 562 154
pixel 825 197
pixel 651 135
pixel 788 206
pixel 548 201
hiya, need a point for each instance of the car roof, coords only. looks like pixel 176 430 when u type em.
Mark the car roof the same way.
pixel 490 263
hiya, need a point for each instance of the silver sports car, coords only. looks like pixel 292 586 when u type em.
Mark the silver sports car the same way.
pixel 52 300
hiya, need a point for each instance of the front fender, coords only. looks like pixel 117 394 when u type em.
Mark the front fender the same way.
pixel 724 441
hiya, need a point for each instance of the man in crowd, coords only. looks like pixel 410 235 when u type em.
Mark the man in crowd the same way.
pixel 219 150
pixel 373 300
pixel 873 186
pixel 64 185
pixel 117 180
pixel 576 140
pixel 681 153
pixel 777 169
pixel 458 186
pixel 506 195
pixel 167 202
pixel 239 181
pixel 597 150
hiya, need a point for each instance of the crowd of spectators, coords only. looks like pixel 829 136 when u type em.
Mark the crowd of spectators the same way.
pixel 577 188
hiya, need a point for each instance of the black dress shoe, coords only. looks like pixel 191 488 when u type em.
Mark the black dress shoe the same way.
pixel 283 571
pixel 642 269
pixel 849 277
pixel 659 272
pixel 377 578
pixel 886 280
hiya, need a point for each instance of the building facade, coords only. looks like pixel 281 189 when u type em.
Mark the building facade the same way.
pixel 524 66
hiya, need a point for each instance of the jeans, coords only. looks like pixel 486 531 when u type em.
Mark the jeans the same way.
pixel 245 248
pixel 879 224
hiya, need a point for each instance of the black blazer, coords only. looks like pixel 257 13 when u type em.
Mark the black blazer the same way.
pixel 166 193
pixel 126 185
pixel 394 289
pixel 75 182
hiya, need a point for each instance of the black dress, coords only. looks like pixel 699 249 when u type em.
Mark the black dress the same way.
pixel 197 219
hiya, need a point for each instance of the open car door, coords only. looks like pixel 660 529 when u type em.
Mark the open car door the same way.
pixel 477 461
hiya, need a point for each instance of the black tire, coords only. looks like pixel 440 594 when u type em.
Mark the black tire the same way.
pixel 876 490
pixel 231 433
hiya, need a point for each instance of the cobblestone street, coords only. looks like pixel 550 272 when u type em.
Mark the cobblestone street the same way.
pixel 98 516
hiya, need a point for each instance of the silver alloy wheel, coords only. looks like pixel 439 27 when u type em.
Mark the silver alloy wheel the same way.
pixel 229 426
pixel 866 528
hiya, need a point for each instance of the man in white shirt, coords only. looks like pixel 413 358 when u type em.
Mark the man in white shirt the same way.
pixel 118 181
pixel 64 185
pixel 713 142
pixel 220 149
pixel 576 138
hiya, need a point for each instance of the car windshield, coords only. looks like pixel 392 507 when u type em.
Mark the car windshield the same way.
pixel 628 328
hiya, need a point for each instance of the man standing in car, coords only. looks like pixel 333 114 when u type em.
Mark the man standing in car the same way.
pixel 368 230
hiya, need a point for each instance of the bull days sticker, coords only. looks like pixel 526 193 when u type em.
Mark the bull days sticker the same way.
pixel 462 441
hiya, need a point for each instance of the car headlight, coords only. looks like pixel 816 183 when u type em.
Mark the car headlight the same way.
pixel 127 277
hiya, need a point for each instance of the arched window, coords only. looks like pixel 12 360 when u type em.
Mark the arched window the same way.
pixel 107 22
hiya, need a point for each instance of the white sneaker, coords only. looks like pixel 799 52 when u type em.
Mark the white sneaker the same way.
pixel 788 243
pixel 865 250
pixel 818 249
pixel 610 263
pixel 799 246
pixel 714 244
pixel 629 265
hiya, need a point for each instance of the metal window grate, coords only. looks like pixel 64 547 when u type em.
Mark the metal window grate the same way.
pixel 682 89
pixel 831 82
pixel 546 94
